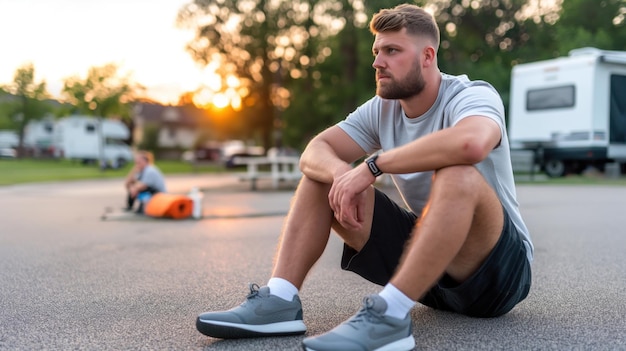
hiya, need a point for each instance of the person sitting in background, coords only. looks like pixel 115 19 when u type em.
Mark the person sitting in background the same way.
pixel 144 179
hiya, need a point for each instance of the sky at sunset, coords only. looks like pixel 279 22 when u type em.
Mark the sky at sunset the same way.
pixel 65 38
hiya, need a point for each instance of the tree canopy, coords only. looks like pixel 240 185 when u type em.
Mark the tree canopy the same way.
pixel 597 23
pixel 27 104
pixel 267 44
pixel 305 64
pixel 103 92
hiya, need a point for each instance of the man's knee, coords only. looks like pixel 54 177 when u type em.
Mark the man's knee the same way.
pixel 311 187
pixel 457 172
pixel 461 180
pixel 311 195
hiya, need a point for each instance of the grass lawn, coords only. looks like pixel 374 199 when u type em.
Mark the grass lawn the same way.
pixel 32 170
pixel 14 171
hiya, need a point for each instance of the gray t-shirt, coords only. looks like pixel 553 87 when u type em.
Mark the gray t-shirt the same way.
pixel 152 177
pixel 380 124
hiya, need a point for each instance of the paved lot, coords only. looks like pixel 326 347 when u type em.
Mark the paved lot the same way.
pixel 69 280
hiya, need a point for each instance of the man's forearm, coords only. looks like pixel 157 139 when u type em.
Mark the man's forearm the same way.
pixel 131 177
pixel 467 143
pixel 138 187
pixel 319 162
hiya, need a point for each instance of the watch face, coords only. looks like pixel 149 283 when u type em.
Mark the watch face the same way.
pixel 371 164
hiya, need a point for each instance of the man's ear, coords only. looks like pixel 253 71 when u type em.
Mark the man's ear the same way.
pixel 429 55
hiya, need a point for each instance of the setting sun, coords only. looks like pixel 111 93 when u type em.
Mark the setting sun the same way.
pixel 217 91
pixel 220 100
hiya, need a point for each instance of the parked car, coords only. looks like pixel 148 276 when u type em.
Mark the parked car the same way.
pixel 203 154
pixel 7 153
pixel 237 148
pixel 222 152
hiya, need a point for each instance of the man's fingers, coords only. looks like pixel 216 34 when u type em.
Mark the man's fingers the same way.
pixel 348 215
pixel 360 213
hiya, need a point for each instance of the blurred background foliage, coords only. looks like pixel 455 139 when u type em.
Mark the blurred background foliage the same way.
pixel 292 68
pixel 307 63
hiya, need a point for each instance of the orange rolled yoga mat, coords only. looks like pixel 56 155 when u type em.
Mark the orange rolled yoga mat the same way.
pixel 169 206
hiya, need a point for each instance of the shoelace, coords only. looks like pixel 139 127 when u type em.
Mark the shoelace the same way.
pixel 254 290
pixel 365 314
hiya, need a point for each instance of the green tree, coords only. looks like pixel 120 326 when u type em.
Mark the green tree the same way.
pixel 28 103
pixel 301 86
pixel 5 110
pixel 150 141
pixel 330 89
pixel 595 23
pixel 476 38
pixel 485 39
pixel 103 92
pixel 267 44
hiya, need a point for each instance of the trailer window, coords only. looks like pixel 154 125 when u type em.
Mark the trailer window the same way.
pixel 617 114
pixel 90 128
pixel 550 98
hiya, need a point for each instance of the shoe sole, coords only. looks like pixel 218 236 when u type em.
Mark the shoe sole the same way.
pixel 226 330
pixel 405 344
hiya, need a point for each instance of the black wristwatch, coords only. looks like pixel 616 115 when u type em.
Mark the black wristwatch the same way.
pixel 371 164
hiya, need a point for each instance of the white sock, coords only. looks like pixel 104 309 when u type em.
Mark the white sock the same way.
pixel 398 304
pixel 282 288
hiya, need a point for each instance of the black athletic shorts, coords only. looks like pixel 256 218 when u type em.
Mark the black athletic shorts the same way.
pixel 494 289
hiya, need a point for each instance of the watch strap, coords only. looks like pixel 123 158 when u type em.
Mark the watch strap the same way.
pixel 371 165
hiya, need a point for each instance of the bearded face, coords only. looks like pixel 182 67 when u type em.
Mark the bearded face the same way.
pixel 391 87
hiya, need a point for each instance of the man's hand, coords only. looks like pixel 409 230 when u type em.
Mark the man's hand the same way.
pixel 347 196
pixel 136 188
pixel 134 191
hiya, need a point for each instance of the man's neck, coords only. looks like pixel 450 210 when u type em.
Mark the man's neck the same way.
pixel 418 105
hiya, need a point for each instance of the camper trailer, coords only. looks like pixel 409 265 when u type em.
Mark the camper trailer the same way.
pixel 571 111
pixel 89 139
pixel 8 139
pixel 8 143
pixel 38 136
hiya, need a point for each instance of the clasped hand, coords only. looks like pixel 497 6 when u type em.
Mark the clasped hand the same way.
pixel 347 196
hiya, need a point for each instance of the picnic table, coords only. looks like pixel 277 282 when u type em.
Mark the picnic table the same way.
pixel 282 168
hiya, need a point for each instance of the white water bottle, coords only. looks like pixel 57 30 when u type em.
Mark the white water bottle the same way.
pixel 196 199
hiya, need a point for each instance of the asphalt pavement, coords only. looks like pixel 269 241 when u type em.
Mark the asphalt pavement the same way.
pixel 70 280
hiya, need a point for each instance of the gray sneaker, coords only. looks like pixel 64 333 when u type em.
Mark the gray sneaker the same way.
pixel 261 314
pixel 368 330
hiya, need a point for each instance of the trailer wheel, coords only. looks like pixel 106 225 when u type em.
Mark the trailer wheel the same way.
pixel 554 168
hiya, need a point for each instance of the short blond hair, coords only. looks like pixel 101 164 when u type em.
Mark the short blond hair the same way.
pixel 414 18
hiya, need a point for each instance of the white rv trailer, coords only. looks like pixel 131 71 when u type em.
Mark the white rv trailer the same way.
pixel 9 142
pixel 571 111
pixel 38 135
pixel 8 139
pixel 80 138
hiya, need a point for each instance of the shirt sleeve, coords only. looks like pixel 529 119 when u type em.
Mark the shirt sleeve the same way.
pixel 150 177
pixel 477 101
pixel 362 125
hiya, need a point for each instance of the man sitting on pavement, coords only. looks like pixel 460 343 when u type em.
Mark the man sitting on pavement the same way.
pixel 144 180
pixel 461 246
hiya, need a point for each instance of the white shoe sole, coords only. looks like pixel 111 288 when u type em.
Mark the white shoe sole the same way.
pixel 405 344
pixel 272 328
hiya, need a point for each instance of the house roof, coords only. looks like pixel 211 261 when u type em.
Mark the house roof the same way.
pixel 189 116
